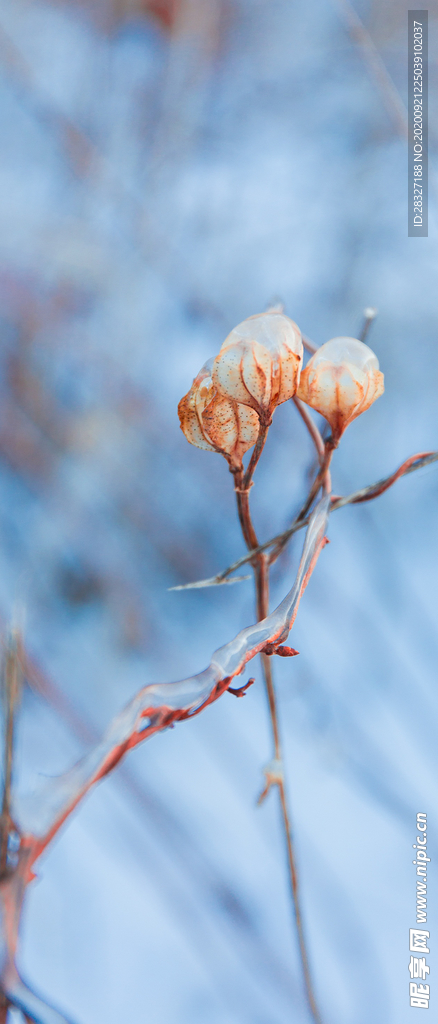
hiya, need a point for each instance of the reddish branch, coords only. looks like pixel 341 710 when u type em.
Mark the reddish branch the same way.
pixel 154 708
pixel 374 490
pixel 365 494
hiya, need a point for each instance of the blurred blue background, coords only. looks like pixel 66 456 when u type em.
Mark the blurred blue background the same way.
pixel 169 168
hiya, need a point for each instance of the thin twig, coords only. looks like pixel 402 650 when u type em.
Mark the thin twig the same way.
pixel 365 494
pixel 12 686
pixel 322 479
pixel 379 71
pixel 243 482
pixel 278 780
pixel 375 490
pixel 261 565
pixel 258 448
pixel 240 691
pixel 308 344
pixel 369 315
pixel 311 426
pixel 250 538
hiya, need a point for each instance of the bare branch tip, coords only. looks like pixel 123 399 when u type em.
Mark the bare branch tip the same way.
pixel 241 690
pixel 369 314
pixel 214 581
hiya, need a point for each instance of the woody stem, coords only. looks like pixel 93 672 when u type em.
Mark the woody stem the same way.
pixel 260 565
pixel 258 448
pixel 322 479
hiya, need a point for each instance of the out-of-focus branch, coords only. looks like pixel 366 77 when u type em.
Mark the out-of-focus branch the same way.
pixel 34 1009
pixel 194 37
pixel 78 147
pixel 365 494
pixel 308 344
pixel 11 696
pixel 379 72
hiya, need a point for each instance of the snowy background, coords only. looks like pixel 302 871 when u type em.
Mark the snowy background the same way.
pixel 167 170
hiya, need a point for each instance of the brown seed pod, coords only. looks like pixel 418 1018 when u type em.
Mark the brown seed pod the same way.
pixel 215 423
pixel 259 363
pixel 341 380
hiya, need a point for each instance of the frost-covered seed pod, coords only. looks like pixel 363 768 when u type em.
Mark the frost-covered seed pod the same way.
pixel 215 423
pixel 341 380
pixel 259 363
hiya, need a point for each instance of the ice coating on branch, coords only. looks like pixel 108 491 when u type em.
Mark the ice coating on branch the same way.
pixel 341 380
pixel 260 361
pixel 216 423
pixel 159 704
pixel 154 708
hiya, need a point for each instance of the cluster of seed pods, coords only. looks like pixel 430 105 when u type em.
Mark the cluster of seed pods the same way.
pixel 260 366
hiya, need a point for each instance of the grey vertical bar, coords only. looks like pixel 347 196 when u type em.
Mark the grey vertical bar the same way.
pixel 418 124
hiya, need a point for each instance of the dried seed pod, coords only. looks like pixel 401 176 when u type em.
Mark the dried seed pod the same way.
pixel 341 380
pixel 259 363
pixel 215 423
